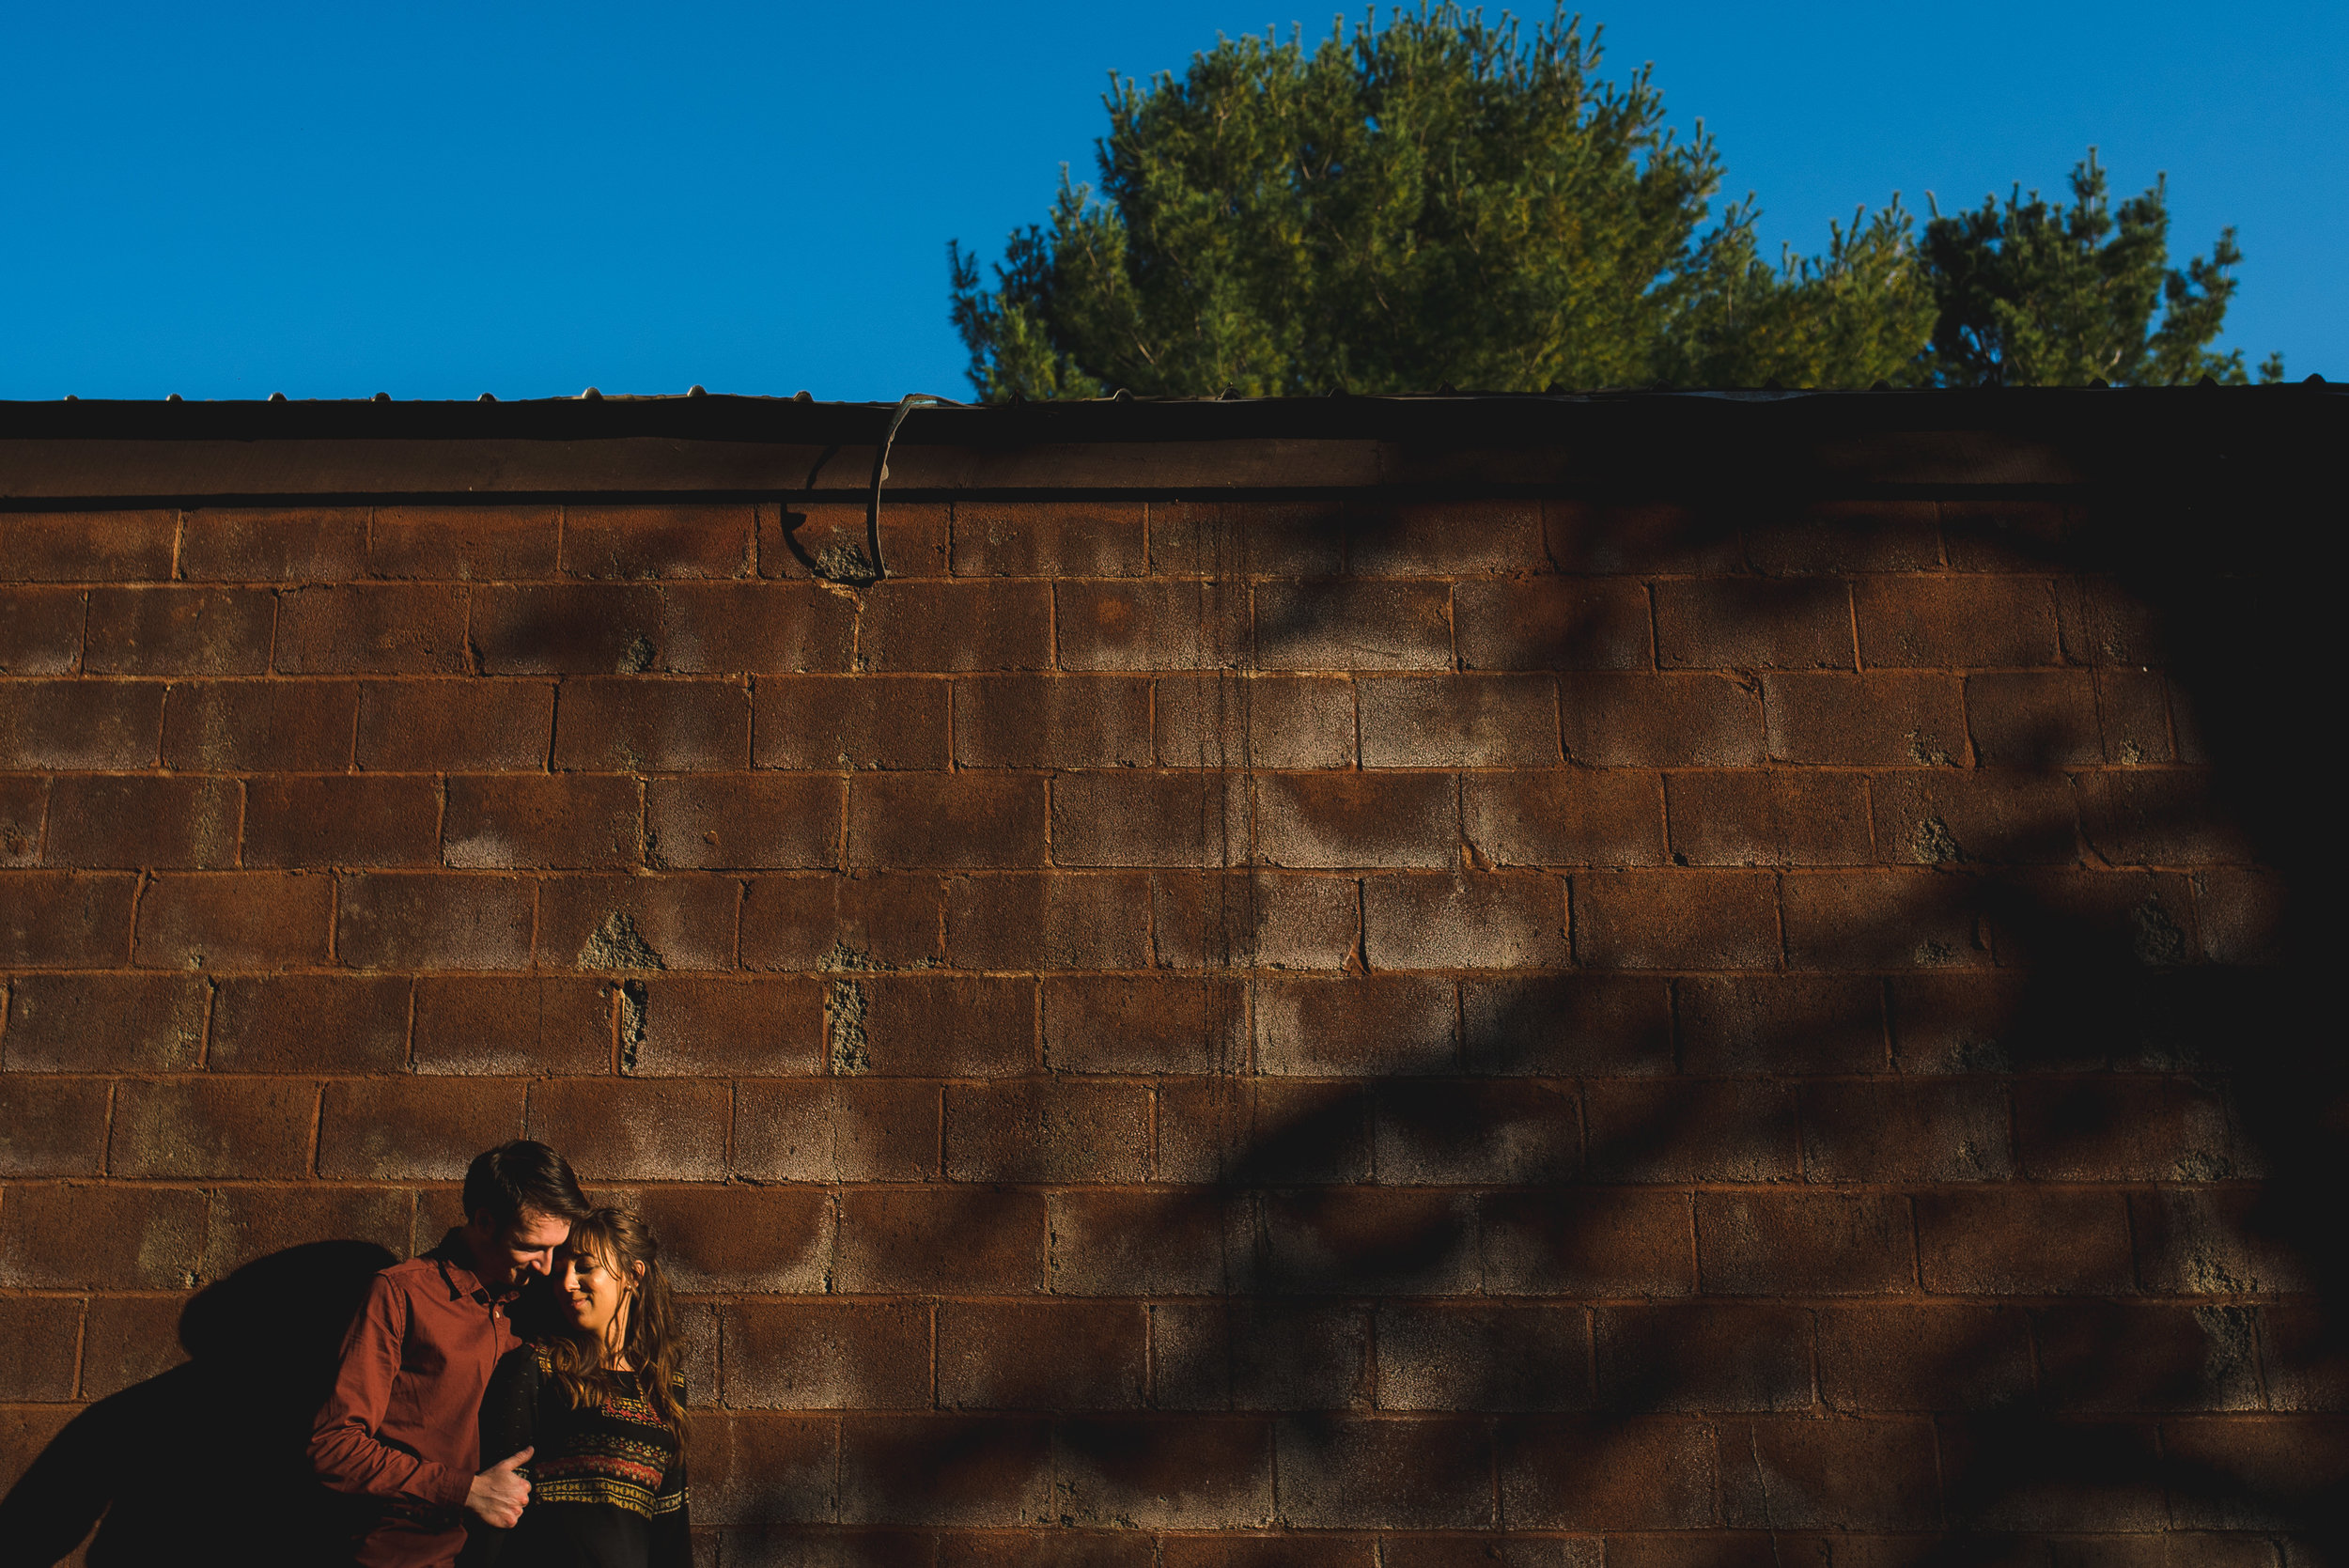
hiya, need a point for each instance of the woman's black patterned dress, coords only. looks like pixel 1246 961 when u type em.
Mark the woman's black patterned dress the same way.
pixel 607 1483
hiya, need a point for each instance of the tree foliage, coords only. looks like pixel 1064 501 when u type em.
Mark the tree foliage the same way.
pixel 1447 201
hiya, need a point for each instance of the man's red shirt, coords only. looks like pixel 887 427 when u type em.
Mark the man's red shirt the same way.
pixel 403 1424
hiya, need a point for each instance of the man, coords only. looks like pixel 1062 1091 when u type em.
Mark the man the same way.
pixel 401 1427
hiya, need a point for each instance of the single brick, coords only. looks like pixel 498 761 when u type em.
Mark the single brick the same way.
pixel 250 1222
pixel 1704 1356
pixel 2301 1358
pixel 637 923
pixel 2175 1357
pixel 2256 1472
pixel 2023 1241
pixel 1572 816
pixel 1248 538
pixel 1367 1025
pixel 730 1239
pixel 1753 624
pixel 1769 818
pixel 1890 920
pixel 1041 1354
pixel 1610 1473
pixel 1048 921
pixel 1225 720
pixel 1259 1354
pixel 1810 1474
pixel 1568 1025
pixel 467 544
pixel 1354 626
pixel 465 725
pixel 2103 622
pixel 1589 1241
pixel 74 725
pixel 868 921
pixel 257 1127
pixel 1987 816
pixel 726 1028
pixel 828 1356
pixel 2040 719
pixel 2006 535
pixel 129 1339
pixel 634 1131
pixel 1152 626
pixel 748 822
pixel 1143 1024
pixel 139 1023
pixel 1251 919
pixel 954 625
pixel 843 721
pixel 2058 917
pixel 1461 721
pixel 309 1023
pixel 1358 820
pixel 832 540
pixel 87 547
pixel 1940 1356
pixel 1370 1241
pixel 342 821
pixel 2133 717
pixel 2122 1128
pixel 39 1343
pixel 236 920
pixel 640 725
pixel 2169 818
pixel 1780 1024
pixel 1105 1242
pixel 23 811
pixel 1804 1244
pixel 56 920
pixel 2007 1470
pixel 261 726
pixel 733 629
pixel 136 820
pixel 54 1126
pixel 1961 1023
pixel 374 629
pixel 1451 1132
pixel 1443 538
pixel 1627 719
pixel 76 1236
pixel 514 1025
pixel 904 1025
pixel 1482 920
pixel 755 1470
pixel 1062 1131
pixel 40 630
pixel 179 631
pixel 1886 718
pixel 626 542
pixel 963 820
pixel 1249 1132
pixel 1955 622
pixel 911 1470
pixel 1295 1549
pixel 427 919
pixel 836 1130
pixel 1684 1130
pixel 1048 538
pixel 1677 920
pixel 580 820
pixel 1127 818
pixel 1051 722
pixel 563 628
pixel 1455 1356
pixel 2240 915
pixel 1425 1473
pixel 1906 1130
pixel 1603 536
pixel 1552 623
pixel 953 1239
pixel 251 544
pixel 1846 537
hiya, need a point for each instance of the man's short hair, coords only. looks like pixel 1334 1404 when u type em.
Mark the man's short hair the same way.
pixel 518 1175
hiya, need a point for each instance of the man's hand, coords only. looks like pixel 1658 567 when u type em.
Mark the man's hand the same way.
pixel 497 1494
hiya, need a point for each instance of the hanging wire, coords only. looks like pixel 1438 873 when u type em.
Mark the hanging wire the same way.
pixel 906 405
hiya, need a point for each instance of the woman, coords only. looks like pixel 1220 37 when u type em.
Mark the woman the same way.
pixel 601 1403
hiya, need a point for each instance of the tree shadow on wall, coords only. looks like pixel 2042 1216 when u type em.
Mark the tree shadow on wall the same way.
pixel 206 1463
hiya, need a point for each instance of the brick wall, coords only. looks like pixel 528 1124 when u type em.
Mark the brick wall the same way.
pixel 1398 1028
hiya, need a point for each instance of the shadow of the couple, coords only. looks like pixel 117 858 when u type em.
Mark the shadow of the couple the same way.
pixel 205 1463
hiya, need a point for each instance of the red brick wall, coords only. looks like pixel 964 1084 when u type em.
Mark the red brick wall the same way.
pixel 1352 1030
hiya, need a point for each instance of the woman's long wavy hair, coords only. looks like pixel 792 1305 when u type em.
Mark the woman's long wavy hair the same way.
pixel 619 1239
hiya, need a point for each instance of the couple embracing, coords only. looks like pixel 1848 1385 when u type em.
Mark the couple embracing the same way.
pixel 469 1444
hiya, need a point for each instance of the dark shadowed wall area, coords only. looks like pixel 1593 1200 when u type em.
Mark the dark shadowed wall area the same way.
pixel 1382 984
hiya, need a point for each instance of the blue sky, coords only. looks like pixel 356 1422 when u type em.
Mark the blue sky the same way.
pixel 435 200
